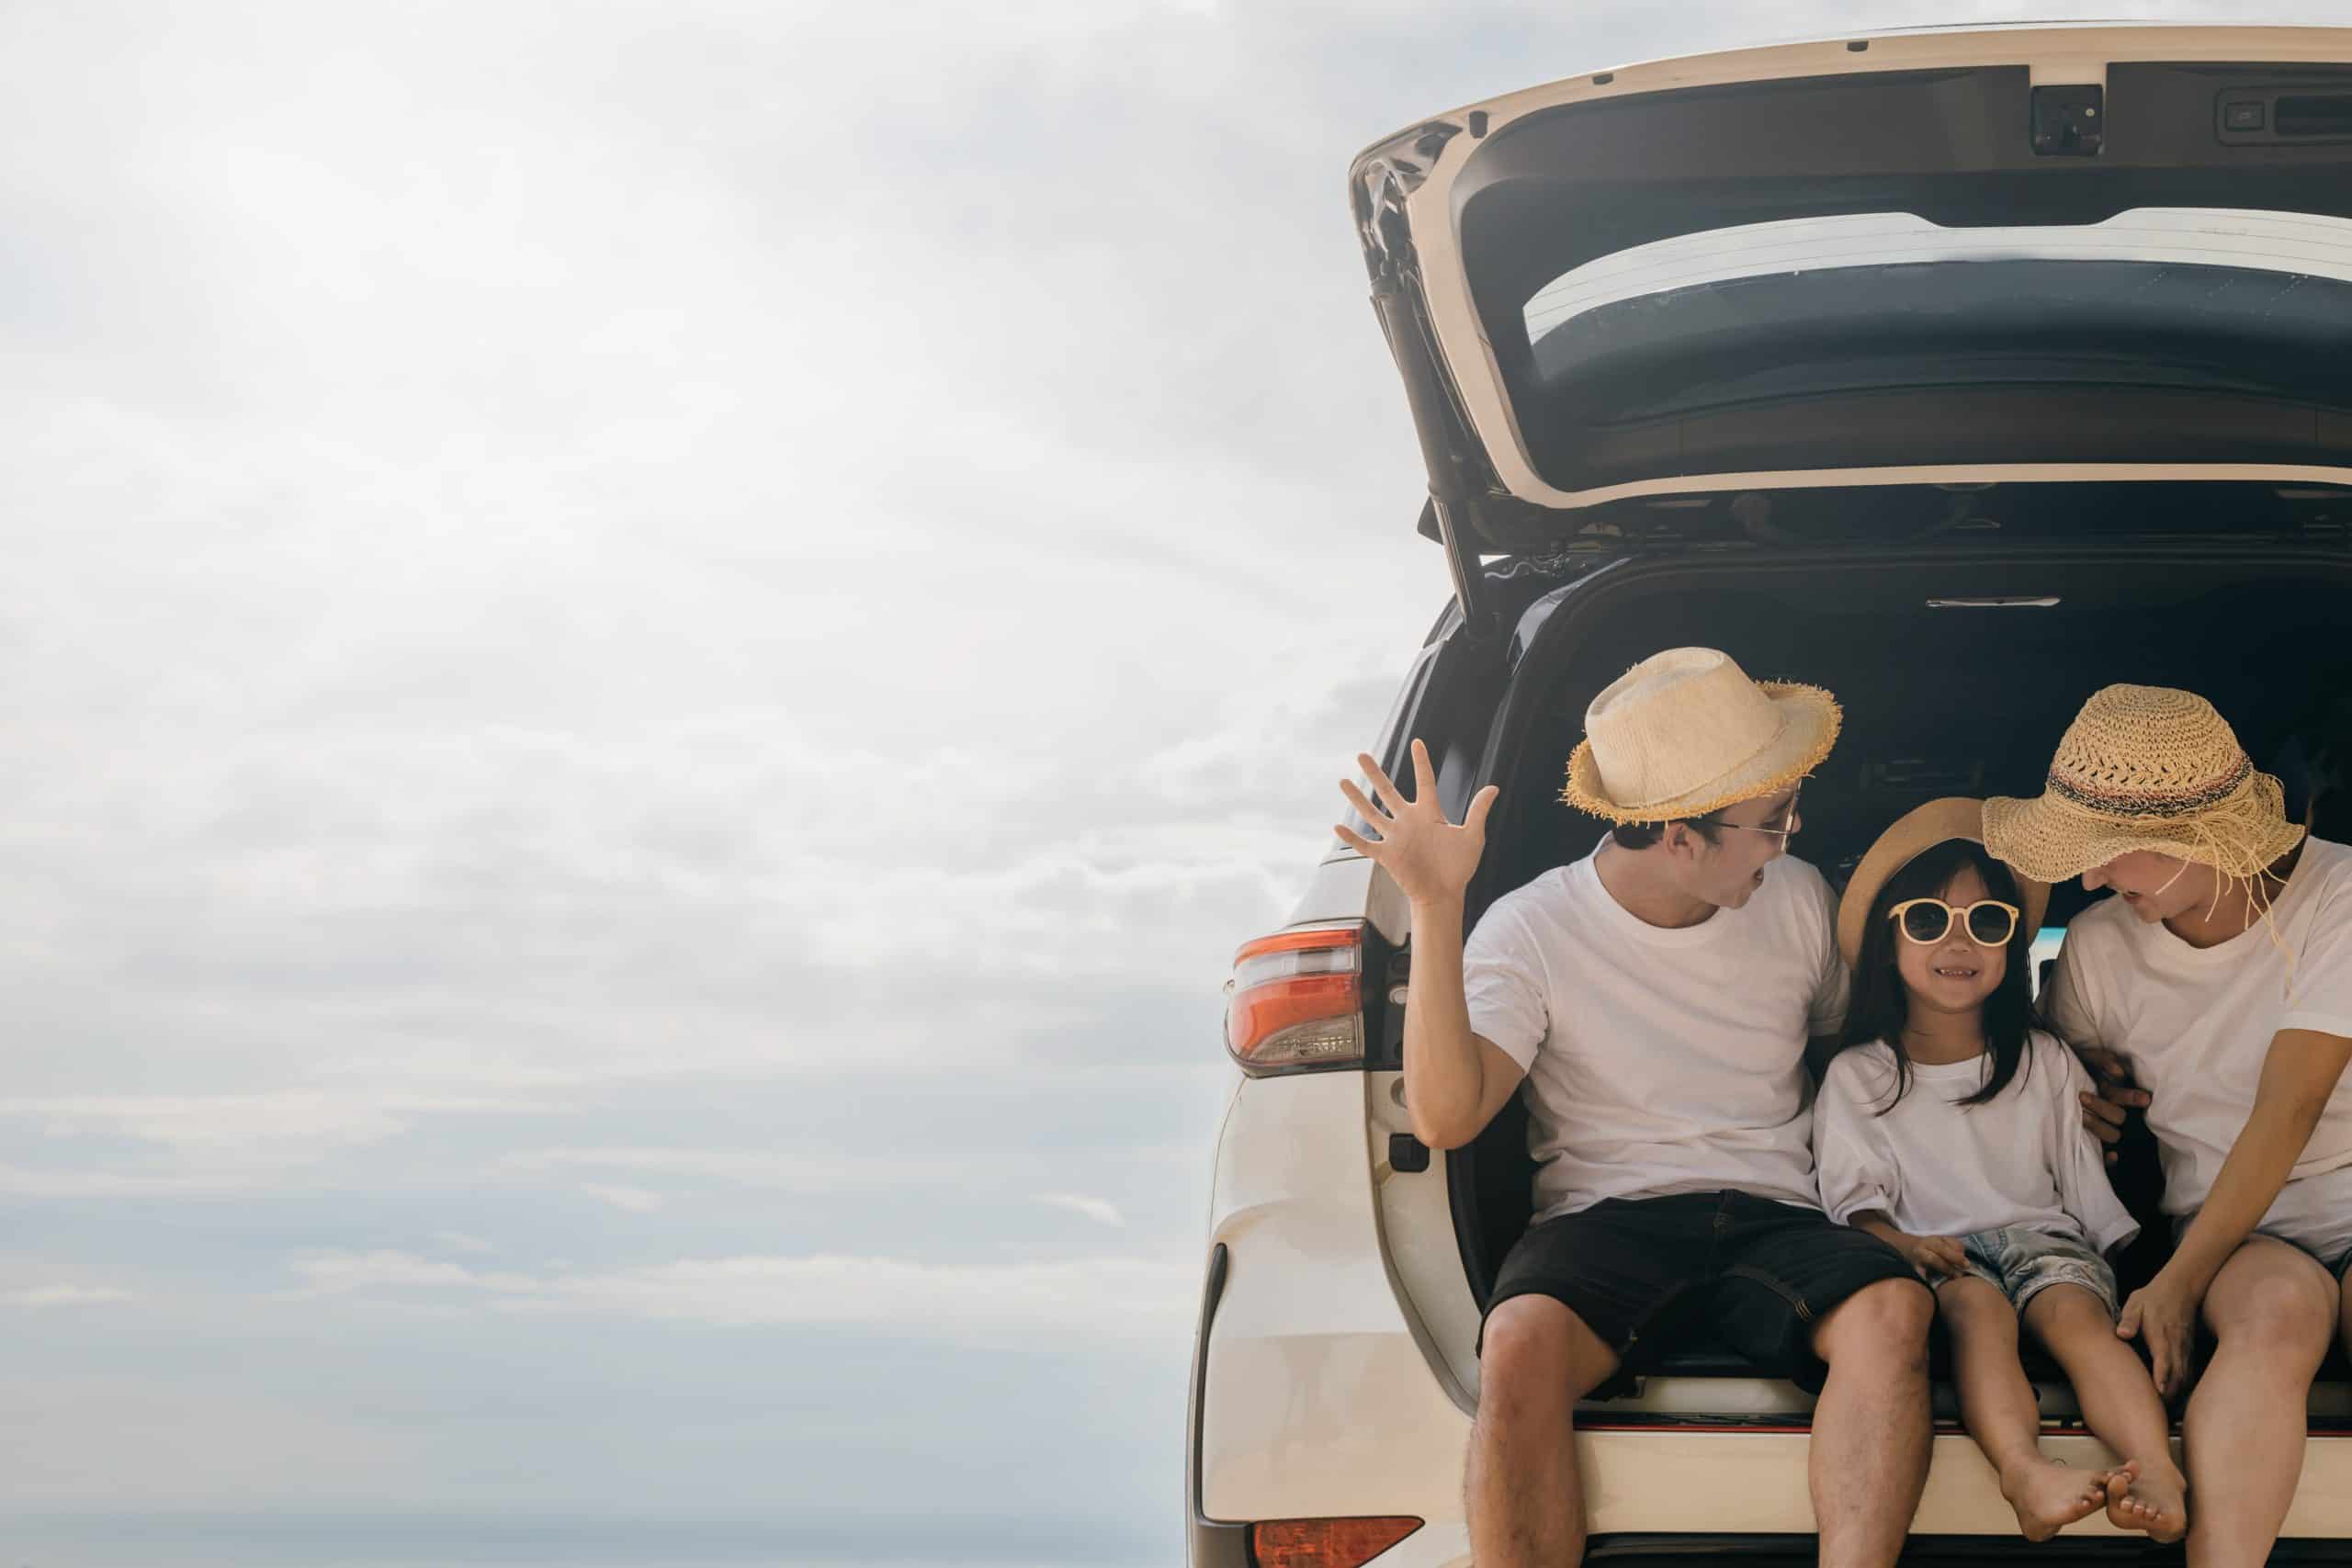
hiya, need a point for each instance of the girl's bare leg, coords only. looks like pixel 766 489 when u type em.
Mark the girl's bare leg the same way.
pixel 1997 1405
pixel 2120 1403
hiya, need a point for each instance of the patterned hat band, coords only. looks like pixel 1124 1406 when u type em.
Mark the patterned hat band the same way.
pixel 2127 803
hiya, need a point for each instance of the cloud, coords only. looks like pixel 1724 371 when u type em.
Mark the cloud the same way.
pixel 459 1241
pixel 1095 1209
pixel 1115 1297
pixel 64 1295
pixel 343 1273
pixel 634 1199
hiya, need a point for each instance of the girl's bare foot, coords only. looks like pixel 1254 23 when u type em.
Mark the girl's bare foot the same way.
pixel 2156 1502
pixel 2049 1495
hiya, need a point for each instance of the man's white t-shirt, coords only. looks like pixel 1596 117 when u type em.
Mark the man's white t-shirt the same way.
pixel 2196 1023
pixel 1937 1168
pixel 1660 1061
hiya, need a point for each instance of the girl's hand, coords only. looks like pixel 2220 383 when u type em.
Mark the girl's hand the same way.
pixel 1933 1255
pixel 1430 858
pixel 2163 1314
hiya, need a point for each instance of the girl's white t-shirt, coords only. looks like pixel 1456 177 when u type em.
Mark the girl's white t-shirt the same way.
pixel 1937 1168
pixel 1660 1061
pixel 2195 1024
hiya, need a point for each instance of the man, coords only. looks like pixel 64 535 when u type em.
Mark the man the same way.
pixel 1657 999
pixel 2220 975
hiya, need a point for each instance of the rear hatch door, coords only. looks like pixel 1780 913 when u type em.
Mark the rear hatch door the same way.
pixel 1957 258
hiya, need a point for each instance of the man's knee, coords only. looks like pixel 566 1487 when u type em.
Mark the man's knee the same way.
pixel 1886 1320
pixel 1536 1348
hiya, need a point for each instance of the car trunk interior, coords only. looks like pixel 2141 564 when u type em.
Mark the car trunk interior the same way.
pixel 1939 698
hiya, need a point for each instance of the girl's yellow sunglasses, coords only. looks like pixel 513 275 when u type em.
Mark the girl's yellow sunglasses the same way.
pixel 1988 921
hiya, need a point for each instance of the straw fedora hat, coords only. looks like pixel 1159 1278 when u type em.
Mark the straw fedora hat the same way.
pixel 2145 768
pixel 1686 732
pixel 1911 835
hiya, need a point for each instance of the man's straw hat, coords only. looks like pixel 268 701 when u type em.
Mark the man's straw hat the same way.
pixel 2145 768
pixel 1912 835
pixel 1686 732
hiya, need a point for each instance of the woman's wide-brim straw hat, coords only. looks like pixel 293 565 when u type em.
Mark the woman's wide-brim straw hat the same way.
pixel 2145 768
pixel 1686 732
pixel 1912 835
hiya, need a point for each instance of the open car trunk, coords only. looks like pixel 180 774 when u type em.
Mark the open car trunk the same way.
pixel 1958 668
pixel 2063 253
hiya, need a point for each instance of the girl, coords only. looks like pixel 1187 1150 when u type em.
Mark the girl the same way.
pixel 1948 1127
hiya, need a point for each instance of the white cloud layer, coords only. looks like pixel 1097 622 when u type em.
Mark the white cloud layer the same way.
pixel 1114 1297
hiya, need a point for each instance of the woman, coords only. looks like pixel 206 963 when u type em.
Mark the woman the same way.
pixel 2220 974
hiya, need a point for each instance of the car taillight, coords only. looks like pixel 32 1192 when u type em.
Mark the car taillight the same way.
pixel 1297 1001
pixel 1325 1543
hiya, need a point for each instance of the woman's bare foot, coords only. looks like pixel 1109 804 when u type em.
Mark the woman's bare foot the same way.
pixel 2156 1502
pixel 2048 1496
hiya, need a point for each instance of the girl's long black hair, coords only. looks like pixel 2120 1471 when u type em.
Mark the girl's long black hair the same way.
pixel 1879 1007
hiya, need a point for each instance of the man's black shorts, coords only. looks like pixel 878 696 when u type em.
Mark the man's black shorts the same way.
pixel 1647 1275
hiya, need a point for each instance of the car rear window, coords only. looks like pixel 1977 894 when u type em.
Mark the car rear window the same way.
pixel 2292 243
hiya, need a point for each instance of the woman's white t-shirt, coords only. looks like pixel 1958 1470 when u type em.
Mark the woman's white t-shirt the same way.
pixel 1937 1168
pixel 1660 1061
pixel 2196 1023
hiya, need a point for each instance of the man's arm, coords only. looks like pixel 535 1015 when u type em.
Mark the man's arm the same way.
pixel 1454 1080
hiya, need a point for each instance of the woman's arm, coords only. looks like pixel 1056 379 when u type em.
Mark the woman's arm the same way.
pixel 2298 1077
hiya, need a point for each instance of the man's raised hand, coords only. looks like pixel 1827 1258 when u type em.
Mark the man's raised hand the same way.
pixel 1428 857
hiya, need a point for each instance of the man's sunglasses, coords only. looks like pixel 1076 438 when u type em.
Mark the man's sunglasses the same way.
pixel 1783 827
pixel 1989 922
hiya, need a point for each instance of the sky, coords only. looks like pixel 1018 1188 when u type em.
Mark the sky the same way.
pixel 654 655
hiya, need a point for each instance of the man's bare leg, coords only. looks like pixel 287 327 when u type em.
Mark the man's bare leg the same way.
pixel 1521 1493
pixel 2120 1405
pixel 1868 1460
pixel 2273 1309
pixel 1997 1406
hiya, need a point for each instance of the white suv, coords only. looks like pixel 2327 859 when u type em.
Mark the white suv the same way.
pixel 1917 365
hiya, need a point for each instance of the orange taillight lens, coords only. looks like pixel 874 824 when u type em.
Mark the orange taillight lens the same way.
pixel 1297 999
pixel 1325 1543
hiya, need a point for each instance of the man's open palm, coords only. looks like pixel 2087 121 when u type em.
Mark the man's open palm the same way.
pixel 1428 857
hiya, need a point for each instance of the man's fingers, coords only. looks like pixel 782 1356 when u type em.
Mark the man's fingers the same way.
pixel 1364 808
pixel 1355 841
pixel 1424 775
pixel 1381 786
pixel 2106 1111
pixel 2127 1323
pixel 1480 804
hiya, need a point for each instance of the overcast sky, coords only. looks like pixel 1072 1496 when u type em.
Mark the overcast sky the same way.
pixel 654 655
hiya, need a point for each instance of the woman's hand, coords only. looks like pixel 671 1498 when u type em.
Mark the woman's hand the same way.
pixel 2163 1314
pixel 1430 858
pixel 2103 1110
